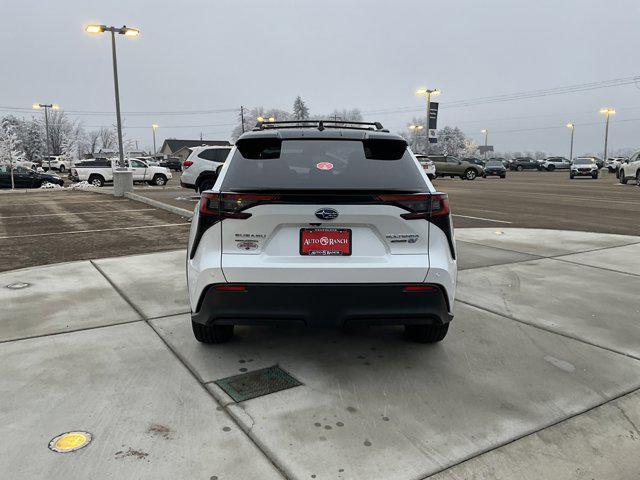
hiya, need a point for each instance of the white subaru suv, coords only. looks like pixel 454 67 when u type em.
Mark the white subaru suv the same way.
pixel 199 170
pixel 630 169
pixel 321 223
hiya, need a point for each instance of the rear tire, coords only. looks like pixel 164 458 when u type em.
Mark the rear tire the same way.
pixel 470 174
pixel 621 177
pixel 159 180
pixel 96 180
pixel 594 175
pixel 519 168
pixel 212 333
pixel 206 184
pixel 426 333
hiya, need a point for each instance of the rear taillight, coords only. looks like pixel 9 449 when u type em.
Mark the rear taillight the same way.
pixel 433 207
pixel 231 205
pixel 187 163
pixel 215 207
pixel 419 206
pixel 230 288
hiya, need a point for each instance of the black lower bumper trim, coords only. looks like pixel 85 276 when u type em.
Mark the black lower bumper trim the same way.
pixel 323 305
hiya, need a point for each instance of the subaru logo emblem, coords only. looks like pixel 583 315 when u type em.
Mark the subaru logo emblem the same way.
pixel 326 213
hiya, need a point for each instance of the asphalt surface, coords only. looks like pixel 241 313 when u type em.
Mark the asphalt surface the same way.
pixel 44 227
pixel 545 200
pixel 40 228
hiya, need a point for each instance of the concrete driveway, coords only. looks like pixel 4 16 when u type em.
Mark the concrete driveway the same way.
pixel 538 377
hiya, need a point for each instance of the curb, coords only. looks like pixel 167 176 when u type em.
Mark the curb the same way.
pixel 155 203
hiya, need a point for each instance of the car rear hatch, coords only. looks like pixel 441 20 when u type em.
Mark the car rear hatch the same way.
pixel 323 211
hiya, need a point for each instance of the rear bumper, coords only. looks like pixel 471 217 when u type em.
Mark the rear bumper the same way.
pixel 322 305
pixel 187 185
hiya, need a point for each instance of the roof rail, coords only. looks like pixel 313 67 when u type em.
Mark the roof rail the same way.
pixel 321 125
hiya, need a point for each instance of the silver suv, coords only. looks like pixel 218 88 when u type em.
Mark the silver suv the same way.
pixel 200 169
pixel 556 163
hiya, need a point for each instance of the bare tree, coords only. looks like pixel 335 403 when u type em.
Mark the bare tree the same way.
pixel 93 140
pixel 107 138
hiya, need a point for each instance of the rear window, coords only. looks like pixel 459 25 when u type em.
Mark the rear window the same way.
pixel 214 154
pixel 269 164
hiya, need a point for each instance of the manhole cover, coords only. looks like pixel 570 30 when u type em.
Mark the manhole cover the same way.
pixel 18 286
pixel 256 384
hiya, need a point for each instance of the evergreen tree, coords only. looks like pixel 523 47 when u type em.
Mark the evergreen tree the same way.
pixel 300 109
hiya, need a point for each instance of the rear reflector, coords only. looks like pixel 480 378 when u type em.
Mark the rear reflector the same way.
pixel 420 288
pixel 230 288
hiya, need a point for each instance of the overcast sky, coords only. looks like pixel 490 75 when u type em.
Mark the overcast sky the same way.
pixel 371 55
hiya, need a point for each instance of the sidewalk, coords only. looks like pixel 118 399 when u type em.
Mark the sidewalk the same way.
pixel 539 374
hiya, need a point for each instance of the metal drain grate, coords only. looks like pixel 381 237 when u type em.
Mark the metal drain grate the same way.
pixel 257 383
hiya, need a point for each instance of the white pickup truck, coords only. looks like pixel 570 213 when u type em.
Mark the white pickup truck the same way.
pixel 98 172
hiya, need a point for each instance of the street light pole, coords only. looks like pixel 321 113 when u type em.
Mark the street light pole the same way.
pixel 121 163
pixel 486 135
pixel 46 107
pixel 122 179
pixel 428 92
pixel 573 128
pixel 154 127
pixel 607 112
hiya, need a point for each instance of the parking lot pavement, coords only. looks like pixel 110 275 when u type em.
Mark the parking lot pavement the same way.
pixel 507 387
pixel 547 200
pixel 40 228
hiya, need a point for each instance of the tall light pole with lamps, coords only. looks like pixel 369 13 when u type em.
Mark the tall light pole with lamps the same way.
pixel 607 112
pixel 427 92
pixel 46 107
pixel 572 126
pixel 486 136
pixel 122 178
pixel 154 127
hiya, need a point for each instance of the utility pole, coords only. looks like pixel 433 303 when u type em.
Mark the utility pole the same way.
pixel 242 117
pixel 46 106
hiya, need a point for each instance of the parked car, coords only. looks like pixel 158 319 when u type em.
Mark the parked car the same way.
pixel 56 162
pixel 630 169
pixel 172 163
pixel 613 163
pixel 494 168
pixel 584 167
pixel 504 161
pixel 308 229
pixel 98 172
pixel 26 177
pixel 524 163
pixel 556 163
pixel 474 160
pixel 428 166
pixel 454 167
pixel 598 161
pixel 200 169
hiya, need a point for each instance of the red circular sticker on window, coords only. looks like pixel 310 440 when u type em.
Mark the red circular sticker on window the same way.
pixel 324 166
